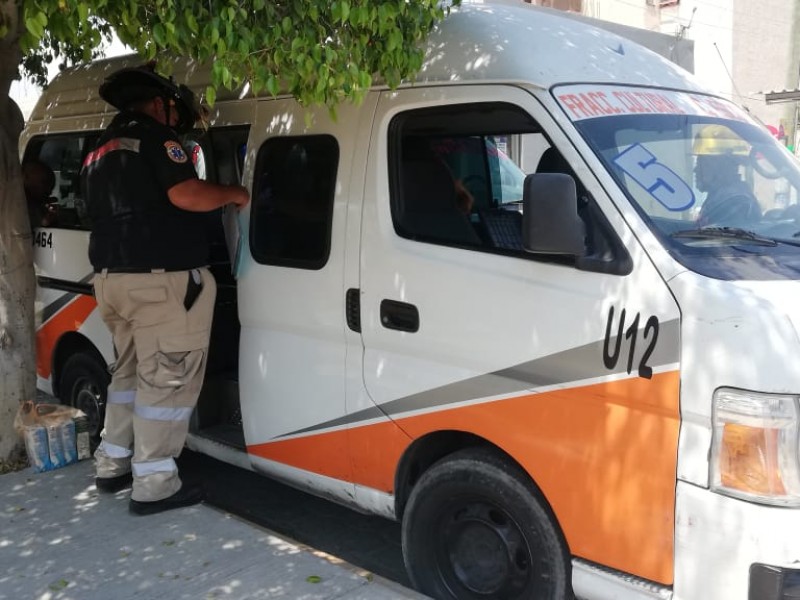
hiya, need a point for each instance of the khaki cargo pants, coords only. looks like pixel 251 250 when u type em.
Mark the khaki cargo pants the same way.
pixel 161 359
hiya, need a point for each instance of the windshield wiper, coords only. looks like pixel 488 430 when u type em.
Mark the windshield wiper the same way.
pixel 733 233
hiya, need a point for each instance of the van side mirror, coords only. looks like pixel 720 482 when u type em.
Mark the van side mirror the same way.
pixel 550 221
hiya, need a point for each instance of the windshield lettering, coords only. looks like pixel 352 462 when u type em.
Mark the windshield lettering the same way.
pixel 588 102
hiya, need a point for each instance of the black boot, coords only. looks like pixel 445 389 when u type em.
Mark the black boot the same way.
pixel 111 485
pixel 186 496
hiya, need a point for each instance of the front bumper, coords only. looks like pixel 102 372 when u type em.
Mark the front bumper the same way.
pixel 720 543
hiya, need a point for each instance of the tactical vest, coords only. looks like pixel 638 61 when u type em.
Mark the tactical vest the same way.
pixel 134 225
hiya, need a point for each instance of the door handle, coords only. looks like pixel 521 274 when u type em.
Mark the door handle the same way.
pixel 400 316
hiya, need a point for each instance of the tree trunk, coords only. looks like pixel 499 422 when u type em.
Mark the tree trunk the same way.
pixel 17 281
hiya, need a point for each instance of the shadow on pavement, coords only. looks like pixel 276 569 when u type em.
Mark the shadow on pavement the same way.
pixel 369 542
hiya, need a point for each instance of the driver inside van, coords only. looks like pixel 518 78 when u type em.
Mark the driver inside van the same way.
pixel 729 202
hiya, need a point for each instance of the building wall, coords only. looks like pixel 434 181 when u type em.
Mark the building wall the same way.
pixel 765 56
pixel 710 25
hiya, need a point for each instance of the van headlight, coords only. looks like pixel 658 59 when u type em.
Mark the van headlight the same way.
pixel 754 449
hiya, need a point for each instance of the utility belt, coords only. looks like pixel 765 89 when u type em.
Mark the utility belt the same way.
pixel 193 287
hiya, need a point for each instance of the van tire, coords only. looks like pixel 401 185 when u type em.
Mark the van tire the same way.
pixel 476 527
pixel 84 385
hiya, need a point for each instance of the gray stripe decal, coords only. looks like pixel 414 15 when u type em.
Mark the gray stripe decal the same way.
pixel 56 305
pixel 576 364
pixel 362 415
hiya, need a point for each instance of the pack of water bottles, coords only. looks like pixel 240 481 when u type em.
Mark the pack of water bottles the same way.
pixel 55 435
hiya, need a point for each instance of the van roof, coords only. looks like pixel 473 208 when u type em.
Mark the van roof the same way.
pixel 478 42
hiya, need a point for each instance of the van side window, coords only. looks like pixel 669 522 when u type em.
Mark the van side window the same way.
pixel 292 203
pixel 64 155
pixel 457 177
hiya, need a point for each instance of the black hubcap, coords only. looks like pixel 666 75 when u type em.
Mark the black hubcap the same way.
pixel 86 396
pixel 482 550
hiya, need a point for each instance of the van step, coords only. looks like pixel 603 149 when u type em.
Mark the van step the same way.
pixel 590 580
pixel 224 433
pixel 219 450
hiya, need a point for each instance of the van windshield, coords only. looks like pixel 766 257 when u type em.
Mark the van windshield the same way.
pixel 714 185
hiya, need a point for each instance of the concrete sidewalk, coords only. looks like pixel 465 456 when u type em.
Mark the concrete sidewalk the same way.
pixel 60 539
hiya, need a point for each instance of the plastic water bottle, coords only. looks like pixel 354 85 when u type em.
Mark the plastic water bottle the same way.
pixel 68 442
pixel 37 448
pixel 56 446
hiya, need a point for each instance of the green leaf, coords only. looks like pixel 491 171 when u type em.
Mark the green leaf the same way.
pixel 211 95
pixel 33 25
pixel 159 35
pixel 59 585
pixel 191 21
pixel 314 579
pixel 83 12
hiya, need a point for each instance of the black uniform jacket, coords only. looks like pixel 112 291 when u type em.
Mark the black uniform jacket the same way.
pixel 126 178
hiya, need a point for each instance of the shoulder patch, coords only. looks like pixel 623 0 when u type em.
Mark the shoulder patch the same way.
pixel 175 152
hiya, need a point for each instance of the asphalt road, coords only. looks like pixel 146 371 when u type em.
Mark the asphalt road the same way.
pixel 372 543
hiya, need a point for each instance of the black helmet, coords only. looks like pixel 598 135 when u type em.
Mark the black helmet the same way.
pixel 126 87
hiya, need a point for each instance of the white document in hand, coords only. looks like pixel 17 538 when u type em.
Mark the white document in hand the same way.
pixel 233 236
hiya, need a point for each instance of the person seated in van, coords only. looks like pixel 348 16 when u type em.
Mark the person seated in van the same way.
pixel 431 205
pixel 464 199
pixel 38 179
pixel 729 201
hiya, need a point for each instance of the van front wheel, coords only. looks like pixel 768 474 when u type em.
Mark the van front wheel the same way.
pixel 474 527
pixel 84 383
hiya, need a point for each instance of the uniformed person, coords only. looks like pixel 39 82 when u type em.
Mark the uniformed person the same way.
pixel 149 253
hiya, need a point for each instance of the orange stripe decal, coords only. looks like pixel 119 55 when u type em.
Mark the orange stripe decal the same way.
pixel 373 447
pixel 604 455
pixel 69 318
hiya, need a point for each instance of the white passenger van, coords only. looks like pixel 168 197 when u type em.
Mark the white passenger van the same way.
pixel 582 374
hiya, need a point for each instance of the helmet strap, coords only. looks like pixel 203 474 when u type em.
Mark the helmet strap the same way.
pixel 167 110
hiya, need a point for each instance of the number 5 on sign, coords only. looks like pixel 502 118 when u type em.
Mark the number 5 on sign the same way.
pixel 660 181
